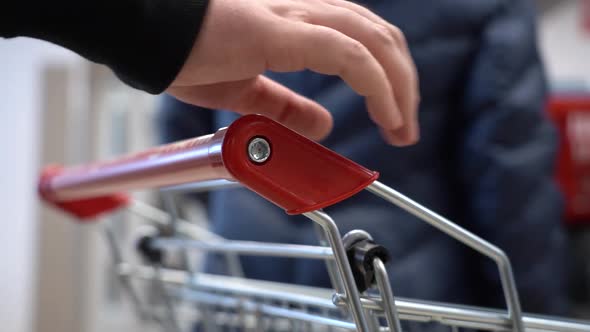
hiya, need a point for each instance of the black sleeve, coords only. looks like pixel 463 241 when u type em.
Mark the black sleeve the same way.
pixel 145 42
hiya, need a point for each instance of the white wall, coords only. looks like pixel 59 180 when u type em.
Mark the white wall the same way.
pixel 20 106
pixel 565 47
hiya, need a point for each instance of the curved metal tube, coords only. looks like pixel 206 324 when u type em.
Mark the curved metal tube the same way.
pixel 471 240
pixel 333 235
pixel 387 296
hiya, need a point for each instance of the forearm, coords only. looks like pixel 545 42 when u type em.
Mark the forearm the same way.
pixel 145 42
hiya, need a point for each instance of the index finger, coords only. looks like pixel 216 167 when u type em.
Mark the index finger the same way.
pixel 327 51
pixel 408 93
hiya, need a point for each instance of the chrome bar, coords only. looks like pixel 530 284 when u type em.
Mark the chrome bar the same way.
pixel 117 257
pixel 335 278
pixel 172 226
pixel 386 292
pixel 187 229
pixel 270 292
pixel 239 286
pixel 166 298
pixel 251 306
pixel 306 317
pixel 372 320
pixel 201 186
pixel 467 238
pixel 193 160
pixel 408 309
pixel 247 248
pixel 161 218
pixel 333 236
pixel 170 206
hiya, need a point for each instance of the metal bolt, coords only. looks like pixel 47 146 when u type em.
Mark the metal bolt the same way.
pixel 258 150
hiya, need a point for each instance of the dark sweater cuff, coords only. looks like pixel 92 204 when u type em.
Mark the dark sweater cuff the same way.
pixel 170 30
pixel 145 42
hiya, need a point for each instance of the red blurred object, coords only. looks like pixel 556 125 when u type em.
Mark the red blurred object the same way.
pixel 83 209
pixel 572 116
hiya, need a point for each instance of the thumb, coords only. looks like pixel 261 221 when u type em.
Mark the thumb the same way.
pixel 261 95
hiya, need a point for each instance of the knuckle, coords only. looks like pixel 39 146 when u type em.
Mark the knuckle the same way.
pixel 286 112
pixel 300 15
pixel 253 95
pixel 397 35
pixel 395 31
pixel 356 52
pixel 384 36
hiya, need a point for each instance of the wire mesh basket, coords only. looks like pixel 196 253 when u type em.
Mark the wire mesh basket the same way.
pixel 300 176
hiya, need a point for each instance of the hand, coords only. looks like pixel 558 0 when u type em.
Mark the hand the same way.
pixel 241 39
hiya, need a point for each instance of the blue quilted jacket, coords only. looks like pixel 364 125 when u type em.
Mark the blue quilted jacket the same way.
pixel 485 160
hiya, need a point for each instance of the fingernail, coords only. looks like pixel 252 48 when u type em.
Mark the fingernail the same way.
pixel 391 137
pixel 400 137
pixel 386 135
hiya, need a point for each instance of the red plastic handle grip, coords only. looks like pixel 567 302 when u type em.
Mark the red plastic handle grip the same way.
pixel 299 176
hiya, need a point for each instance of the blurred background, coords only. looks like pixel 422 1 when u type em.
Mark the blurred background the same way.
pixel 56 107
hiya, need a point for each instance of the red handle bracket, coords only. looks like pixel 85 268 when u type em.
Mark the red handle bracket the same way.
pixel 299 175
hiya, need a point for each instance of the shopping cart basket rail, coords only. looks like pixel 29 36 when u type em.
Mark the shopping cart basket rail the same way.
pixel 408 309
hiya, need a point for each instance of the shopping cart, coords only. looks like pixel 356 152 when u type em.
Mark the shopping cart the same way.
pixel 300 176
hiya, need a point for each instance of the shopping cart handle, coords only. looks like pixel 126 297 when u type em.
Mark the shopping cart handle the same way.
pixel 286 168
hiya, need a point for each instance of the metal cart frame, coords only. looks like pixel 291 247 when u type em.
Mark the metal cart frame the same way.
pixel 301 177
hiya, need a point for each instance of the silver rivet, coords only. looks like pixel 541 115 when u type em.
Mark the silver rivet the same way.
pixel 259 150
